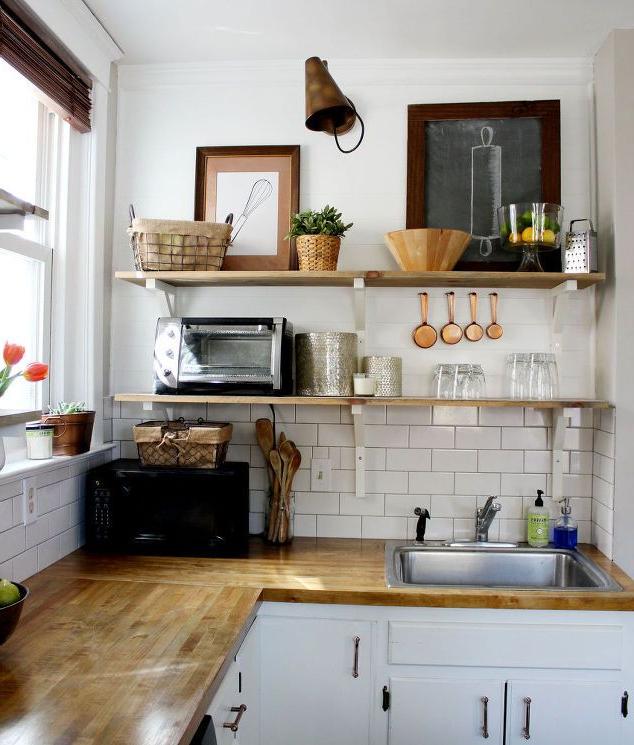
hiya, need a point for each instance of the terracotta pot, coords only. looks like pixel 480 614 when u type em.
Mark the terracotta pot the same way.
pixel 318 253
pixel 73 432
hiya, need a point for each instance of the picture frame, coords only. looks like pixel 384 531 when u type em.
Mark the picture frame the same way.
pixel 259 185
pixel 463 157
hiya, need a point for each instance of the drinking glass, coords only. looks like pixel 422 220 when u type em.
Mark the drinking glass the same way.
pixel 461 381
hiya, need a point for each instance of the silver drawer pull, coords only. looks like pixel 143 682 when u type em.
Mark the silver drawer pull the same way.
pixel 239 710
pixel 485 717
pixel 355 664
pixel 526 730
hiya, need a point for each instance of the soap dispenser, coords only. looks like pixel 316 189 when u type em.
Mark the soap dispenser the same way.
pixel 566 527
pixel 538 523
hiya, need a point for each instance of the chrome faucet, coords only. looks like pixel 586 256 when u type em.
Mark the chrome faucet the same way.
pixel 484 518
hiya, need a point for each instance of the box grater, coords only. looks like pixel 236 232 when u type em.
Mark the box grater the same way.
pixel 580 252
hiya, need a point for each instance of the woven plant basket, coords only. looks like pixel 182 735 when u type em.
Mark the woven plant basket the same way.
pixel 178 245
pixel 318 253
pixel 183 444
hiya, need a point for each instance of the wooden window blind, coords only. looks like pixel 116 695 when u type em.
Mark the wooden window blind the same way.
pixel 28 47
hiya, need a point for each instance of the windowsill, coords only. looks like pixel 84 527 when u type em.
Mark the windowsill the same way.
pixel 18 416
pixel 26 467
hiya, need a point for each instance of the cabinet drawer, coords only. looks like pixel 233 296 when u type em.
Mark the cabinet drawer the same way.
pixel 564 646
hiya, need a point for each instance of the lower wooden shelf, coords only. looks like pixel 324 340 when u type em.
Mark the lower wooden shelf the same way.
pixel 562 403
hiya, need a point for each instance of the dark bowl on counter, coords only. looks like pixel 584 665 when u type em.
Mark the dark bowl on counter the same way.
pixel 10 614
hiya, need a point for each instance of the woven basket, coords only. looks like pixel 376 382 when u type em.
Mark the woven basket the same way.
pixel 184 444
pixel 177 245
pixel 318 253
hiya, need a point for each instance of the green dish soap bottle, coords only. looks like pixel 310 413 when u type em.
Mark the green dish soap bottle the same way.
pixel 538 523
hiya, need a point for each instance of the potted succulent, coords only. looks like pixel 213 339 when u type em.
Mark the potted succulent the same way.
pixel 318 238
pixel 73 427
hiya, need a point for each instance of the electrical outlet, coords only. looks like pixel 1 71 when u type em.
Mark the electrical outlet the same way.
pixel 29 490
pixel 320 474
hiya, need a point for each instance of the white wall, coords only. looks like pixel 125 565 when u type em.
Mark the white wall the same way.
pixel 164 113
pixel 615 124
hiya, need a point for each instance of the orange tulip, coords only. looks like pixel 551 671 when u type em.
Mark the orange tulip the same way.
pixel 12 354
pixel 35 372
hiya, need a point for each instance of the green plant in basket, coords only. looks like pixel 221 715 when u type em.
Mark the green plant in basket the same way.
pixel 325 222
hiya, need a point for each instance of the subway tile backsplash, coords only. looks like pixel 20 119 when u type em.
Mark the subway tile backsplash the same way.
pixel 447 459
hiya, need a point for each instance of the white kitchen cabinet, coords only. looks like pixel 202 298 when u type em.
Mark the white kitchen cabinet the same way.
pixel 316 681
pixel 240 687
pixel 438 711
pixel 564 712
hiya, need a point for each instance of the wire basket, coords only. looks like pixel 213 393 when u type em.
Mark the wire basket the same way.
pixel 178 245
pixel 183 444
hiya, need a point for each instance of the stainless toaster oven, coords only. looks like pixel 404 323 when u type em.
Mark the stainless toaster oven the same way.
pixel 223 355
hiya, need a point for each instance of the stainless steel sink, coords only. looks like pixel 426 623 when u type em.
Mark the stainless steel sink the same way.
pixel 521 568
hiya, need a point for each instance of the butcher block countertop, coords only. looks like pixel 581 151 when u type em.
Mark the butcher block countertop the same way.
pixel 121 650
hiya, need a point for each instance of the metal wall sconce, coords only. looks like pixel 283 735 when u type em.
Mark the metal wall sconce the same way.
pixel 327 109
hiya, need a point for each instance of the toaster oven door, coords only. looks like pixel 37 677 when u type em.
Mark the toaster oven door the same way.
pixel 228 355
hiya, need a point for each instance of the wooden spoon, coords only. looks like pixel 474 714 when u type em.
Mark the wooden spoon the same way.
pixel 451 333
pixel 494 330
pixel 474 332
pixel 292 469
pixel 276 463
pixel 266 441
pixel 424 336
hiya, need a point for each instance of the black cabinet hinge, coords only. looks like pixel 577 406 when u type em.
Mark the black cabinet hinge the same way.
pixel 624 700
pixel 386 699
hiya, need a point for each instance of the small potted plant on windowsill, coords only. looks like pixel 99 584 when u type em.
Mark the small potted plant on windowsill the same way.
pixel 318 238
pixel 73 427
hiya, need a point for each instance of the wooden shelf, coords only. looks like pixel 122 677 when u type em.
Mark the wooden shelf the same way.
pixel 564 403
pixel 12 205
pixel 526 280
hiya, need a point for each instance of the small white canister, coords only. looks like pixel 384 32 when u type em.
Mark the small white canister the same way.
pixel 39 440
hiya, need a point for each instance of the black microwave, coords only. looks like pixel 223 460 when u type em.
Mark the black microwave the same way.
pixel 174 511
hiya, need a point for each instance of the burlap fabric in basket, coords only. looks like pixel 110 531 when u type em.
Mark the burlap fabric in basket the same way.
pixel 198 444
pixel 178 245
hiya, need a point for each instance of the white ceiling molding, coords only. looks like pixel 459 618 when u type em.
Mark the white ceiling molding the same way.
pixel 80 31
pixel 556 71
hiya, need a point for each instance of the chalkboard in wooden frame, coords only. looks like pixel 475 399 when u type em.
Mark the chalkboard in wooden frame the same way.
pixel 464 157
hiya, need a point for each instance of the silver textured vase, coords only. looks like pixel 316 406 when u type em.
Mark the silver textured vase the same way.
pixel 325 362
pixel 388 373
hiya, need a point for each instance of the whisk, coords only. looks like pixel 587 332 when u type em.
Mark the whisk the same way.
pixel 260 192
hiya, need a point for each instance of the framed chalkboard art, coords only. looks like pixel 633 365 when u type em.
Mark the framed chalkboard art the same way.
pixel 464 160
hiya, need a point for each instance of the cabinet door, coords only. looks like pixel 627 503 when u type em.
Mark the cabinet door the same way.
pixel 227 696
pixel 433 711
pixel 564 712
pixel 248 659
pixel 310 694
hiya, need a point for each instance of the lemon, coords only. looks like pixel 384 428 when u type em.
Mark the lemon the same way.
pixel 515 238
pixel 548 236
pixel 9 593
pixel 528 235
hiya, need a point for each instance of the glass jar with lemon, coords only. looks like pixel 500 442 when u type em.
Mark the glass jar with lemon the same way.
pixel 530 227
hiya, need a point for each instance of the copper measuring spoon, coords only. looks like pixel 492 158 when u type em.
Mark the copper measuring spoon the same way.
pixel 451 333
pixel 424 336
pixel 494 330
pixel 474 332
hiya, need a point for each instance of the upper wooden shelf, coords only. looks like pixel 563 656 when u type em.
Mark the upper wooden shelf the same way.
pixel 563 403
pixel 527 280
pixel 12 205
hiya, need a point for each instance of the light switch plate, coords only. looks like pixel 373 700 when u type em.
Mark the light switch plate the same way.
pixel 29 490
pixel 320 474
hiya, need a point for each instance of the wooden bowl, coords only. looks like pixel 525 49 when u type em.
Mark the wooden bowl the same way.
pixel 427 249
pixel 10 614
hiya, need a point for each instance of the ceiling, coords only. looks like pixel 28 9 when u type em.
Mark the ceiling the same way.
pixel 158 31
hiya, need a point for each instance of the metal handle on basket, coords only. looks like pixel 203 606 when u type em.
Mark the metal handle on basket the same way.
pixel 50 419
pixel 131 213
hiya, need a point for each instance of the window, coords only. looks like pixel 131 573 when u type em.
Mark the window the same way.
pixel 33 141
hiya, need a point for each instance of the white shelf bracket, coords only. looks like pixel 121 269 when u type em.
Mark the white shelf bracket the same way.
pixel 560 295
pixel 148 406
pixel 359 450
pixel 359 316
pixel 561 419
pixel 167 292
